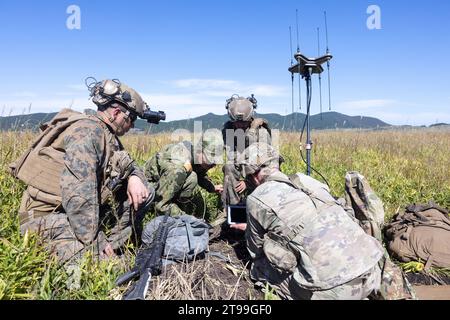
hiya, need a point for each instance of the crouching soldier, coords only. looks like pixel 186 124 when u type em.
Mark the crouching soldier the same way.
pixel 83 189
pixel 179 168
pixel 302 241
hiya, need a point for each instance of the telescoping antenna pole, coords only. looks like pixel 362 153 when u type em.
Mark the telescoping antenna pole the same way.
pixel 306 67
pixel 328 62
pixel 299 78
pixel 292 74
pixel 320 75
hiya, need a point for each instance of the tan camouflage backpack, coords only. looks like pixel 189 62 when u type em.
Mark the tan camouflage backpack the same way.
pixel 41 165
pixel 368 210
pixel 422 233
pixel 36 167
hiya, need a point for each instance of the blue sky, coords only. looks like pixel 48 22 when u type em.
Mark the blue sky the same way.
pixel 187 57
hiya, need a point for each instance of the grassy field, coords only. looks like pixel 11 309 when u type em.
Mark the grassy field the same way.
pixel 403 167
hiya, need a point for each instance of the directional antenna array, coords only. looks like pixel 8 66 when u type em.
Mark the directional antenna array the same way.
pixel 306 67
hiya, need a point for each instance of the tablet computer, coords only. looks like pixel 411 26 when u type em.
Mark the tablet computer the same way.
pixel 236 214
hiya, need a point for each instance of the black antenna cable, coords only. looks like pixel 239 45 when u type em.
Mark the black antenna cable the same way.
pixel 308 106
pixel 328 62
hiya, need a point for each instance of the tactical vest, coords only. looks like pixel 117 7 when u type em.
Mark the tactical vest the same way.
pixel 235 146
pixel 317 240
pixel 41 166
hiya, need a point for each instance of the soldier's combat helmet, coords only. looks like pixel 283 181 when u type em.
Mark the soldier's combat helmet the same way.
pixel 211 145
pixel 240 108
pixel 257 156
pixel 108 91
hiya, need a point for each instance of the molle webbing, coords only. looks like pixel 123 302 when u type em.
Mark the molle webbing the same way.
pixel 42 164
pixel 288 230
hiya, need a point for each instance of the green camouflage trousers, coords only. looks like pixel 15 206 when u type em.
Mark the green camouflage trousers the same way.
pixel 58 236
pixel 188 199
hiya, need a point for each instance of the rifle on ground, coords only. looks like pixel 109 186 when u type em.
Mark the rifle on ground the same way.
pixel 148 263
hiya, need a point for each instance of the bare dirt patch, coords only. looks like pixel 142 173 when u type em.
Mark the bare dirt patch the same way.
pixel 210 278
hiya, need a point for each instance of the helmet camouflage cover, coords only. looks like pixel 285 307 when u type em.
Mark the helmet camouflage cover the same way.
pixel 240 108
pixel 109 91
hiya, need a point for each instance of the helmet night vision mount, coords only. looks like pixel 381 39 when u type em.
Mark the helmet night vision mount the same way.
pixel 107 91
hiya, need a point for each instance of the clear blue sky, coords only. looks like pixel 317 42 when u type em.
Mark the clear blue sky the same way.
pixel 187 57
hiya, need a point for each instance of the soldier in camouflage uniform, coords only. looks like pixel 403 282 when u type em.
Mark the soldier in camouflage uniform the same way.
pixel 302 241
pixel 240 132
pixel 100 187
pixel 178 168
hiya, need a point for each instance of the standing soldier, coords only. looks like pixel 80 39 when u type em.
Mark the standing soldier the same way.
pixel 304 243
pixel 83 190
pixel 178 168
pixel 240 132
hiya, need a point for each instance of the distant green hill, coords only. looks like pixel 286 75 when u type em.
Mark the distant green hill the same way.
pixel 292 122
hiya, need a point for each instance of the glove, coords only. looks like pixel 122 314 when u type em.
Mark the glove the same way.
pixel 258 123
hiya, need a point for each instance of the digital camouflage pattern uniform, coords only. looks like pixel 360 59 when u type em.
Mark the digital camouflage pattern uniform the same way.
pixel 236 141
pixel 174 175
pixel 328 256
pixel 86 218
pixel 308 245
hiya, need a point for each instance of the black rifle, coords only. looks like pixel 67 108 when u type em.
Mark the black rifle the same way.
pixel 148 263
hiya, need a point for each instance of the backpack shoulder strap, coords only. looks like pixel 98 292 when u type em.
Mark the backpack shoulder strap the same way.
pixel 190 235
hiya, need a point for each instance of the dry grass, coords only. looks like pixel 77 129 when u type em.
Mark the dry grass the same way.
pixel 403 167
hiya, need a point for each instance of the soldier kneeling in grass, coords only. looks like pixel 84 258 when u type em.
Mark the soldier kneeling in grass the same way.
pixel 305 244
pixel 84 192
pixel 179 168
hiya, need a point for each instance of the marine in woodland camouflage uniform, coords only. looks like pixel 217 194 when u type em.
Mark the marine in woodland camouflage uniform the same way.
pixel 303 242
pixel 240 132
pixel 90 215
pixel 179 168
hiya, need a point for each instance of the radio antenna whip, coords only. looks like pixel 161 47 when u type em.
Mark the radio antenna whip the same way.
pixel 328 62
pixel 299 76
pixel 307 67
pixel 292 74
pixel 320 75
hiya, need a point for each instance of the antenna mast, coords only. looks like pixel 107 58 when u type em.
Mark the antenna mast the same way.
pixel 299 77
pixel 306 67
pixel 320 75
pixel 292 74
pixel 328 62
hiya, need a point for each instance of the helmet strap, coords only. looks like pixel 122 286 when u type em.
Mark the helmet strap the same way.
pixel 112 121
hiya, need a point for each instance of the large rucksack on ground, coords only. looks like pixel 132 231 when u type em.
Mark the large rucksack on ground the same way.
pixel 368 210
pixel 367 206
pixel 187 237
pixel 422 232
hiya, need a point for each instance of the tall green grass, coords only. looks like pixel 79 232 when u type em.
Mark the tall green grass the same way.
pixel 403 167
